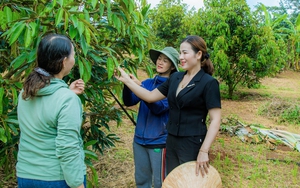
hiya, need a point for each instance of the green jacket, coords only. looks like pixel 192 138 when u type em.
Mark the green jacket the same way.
pixel 51 146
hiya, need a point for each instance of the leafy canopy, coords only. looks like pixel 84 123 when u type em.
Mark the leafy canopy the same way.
pixel 105 34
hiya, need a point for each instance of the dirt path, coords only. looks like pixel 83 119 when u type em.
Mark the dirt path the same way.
pixel 285 85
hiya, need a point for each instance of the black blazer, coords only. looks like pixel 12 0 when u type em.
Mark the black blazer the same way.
pixel 188 110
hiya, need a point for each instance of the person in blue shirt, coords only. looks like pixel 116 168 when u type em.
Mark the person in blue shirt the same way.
pixel 193 96
pixel 150 131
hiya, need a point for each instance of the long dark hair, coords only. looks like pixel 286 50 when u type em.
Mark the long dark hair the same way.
pixel 198 44
pixel 51 52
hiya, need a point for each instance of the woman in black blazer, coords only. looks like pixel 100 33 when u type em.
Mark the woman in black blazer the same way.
pixel 191 95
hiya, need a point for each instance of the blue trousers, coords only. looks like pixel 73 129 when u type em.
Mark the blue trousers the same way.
pixel 32 183
pixel 149 166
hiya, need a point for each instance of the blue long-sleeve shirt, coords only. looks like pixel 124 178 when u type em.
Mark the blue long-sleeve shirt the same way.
pixel 152 117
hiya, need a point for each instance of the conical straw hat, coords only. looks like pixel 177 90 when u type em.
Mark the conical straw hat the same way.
pixel 184 176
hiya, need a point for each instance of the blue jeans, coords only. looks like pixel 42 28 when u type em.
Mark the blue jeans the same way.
pixel 149 166
pixel 32 183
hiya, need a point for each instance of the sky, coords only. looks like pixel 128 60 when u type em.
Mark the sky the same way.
pixel 199 3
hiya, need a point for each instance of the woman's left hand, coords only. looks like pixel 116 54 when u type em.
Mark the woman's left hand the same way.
pixel 202 164
pixel 135 79
pixel 77 86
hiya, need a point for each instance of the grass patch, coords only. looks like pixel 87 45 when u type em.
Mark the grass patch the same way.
pixel 123 154
pixel 243 93
pixel 281 110
pixel 247 165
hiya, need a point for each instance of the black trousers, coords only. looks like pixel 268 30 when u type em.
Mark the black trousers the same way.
pixel 182 149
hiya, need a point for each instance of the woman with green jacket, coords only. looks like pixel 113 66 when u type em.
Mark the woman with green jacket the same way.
pixel 50 116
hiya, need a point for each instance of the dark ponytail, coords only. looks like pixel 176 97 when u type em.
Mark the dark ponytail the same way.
pixel 52 50
pixel 198 44
pixel 33 83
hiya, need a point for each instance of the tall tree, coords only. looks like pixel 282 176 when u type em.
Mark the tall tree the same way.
pixel 105 34
pixel 284 29
pixel 294 43
pixel 242 52
pixel 292 7
pixel 166 20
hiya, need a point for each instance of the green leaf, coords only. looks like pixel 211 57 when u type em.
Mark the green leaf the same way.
pixel 86 23
pixel 108 3
pixel 74 20
pixel 66 21
pixel 16 63
pixel 1 99
pixel 81 68
pixel 86 15
pixel 101 10
pixel 61 2
pixel 3 21
pixel 16 32
pixel 91 154
pixel 93 35
pixel 13 128
pixel 3 138
pixel 96 58
pixel 31 56
pixel 87 35
pixel 53 3
pixel 84 45
pixel 116 61
pixel 59 16
pixel 19 85
pixel 110 67
pixel 116 22
pixel 94 3
pixel 297 23
pixel 126 3
pixel 8 14
pixel 33 26
pixel 15 95
pixel 89 143
pixel 140 55
pixel 27 37
pixel 149 70
pixel 72 32
pixel 80 27
pixel 13 121
pixel 131 6
pixel 87 70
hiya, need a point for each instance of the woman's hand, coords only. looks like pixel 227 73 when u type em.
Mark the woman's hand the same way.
pixel 202 164
pixel 122 76
pixel 135 79
pixel 77 86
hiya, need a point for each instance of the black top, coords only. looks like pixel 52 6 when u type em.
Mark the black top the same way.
pixel 188 110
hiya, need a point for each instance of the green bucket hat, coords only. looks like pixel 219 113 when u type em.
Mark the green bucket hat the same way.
pixel 170 52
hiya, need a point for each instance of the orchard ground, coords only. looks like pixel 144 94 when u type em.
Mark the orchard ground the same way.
pixel 239 164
